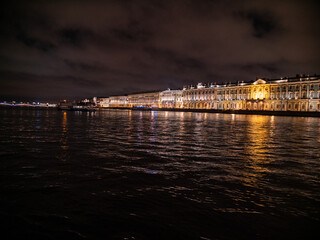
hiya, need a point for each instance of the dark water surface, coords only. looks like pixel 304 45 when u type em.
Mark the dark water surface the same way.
pixel 121 174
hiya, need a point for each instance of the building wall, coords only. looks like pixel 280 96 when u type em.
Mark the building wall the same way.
pixel 281 95
pixel 118 101
pixel 171 99
pixel 150 100
pixel 103 102
pixel 299 94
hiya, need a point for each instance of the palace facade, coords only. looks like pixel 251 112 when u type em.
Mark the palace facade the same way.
pixel 146 100
pixel 301 93
pixel 171 99
pixel 118 102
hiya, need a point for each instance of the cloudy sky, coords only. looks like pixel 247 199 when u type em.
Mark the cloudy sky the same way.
pixel 74 49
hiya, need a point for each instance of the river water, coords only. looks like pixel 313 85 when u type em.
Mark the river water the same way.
pixel 121 174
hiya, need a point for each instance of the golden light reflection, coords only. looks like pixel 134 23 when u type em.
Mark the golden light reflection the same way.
pixel 318 131
pixel 130 126
pixel 233 117
pixel 272 119
pixel 319 136
pixel 153 126
pixel 198 127
pixel 182 123
pixel 130 115
pixel 64 122
pixel 256 147
pixel 205 117
pixel 63 154
pixel 139 129
pixel 63 140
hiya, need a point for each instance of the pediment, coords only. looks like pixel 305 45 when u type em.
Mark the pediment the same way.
pixel 260 81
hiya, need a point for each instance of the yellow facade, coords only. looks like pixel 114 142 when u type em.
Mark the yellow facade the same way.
pixel 118 102
pixel 290 94
pixel 148 100
pixel 279 95
pixel 171 99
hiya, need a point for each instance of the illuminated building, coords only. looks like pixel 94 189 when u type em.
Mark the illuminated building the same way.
pixel 290 94
pixel 118 102
pixel 65 105
pixel 300 93
pixel 147 100
pixel 103 102
pixel 200 97
pixel 171 99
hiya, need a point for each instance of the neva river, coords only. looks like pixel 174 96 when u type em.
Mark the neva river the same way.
pixel 119 174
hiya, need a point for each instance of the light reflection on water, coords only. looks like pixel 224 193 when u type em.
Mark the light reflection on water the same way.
pixel 113 162
pixel 257 148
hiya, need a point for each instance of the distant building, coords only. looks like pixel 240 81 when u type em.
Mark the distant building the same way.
pixel 118 102
pixel 103 102
pixel 171 99
pixel 65 105
pixel 146 100
pixel 53 105
pixel 88 102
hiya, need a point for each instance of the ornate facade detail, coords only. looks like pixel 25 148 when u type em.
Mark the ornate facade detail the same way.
pixel 146 100
pixel 171 99
pixel 289 94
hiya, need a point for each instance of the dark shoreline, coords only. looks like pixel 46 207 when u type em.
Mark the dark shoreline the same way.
pixel 28 107
pixel 247 112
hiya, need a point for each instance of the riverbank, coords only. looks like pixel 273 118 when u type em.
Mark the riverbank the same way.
pixel 247 112
pixel 28 106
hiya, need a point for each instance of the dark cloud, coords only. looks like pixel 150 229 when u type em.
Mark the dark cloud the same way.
pixel 271 67
pixel 35 43
pixel 176 61
pixel 133 32
pixel 72 36
pixel 263 23
pixel 87 66
pixel 87 48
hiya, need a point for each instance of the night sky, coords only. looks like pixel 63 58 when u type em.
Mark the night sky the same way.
pixel 75 49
